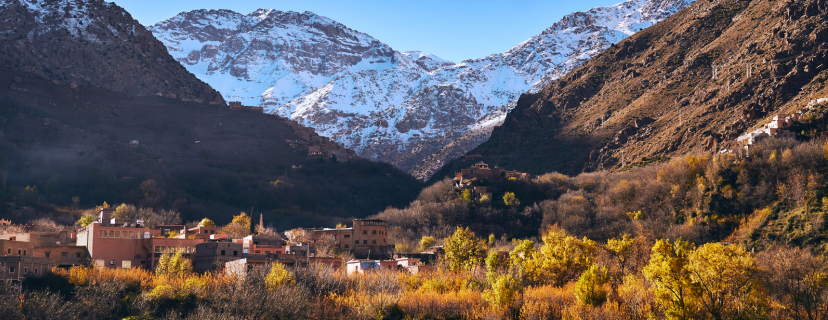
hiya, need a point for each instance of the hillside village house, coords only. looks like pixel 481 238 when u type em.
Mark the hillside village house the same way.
pixel 778 127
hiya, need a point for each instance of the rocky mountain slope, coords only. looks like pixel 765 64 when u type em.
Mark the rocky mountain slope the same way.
pixel 92 43
pixel 691 83
pixel 411 109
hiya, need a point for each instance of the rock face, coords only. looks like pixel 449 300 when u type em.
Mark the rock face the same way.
pixel 696 80
pixel 411 109
pixel 92 43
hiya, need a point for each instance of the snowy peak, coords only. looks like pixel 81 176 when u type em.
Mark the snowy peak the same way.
pixel 427 61
pixel 398 107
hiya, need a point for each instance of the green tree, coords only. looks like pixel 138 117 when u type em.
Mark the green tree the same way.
pixel 668 272
pixel 463 250
pixel 427 242
pixel 589 288
pixel 510 200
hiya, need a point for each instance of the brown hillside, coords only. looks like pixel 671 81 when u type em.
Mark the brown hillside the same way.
pixel 94 43
pixel 207 159
pixel 654 93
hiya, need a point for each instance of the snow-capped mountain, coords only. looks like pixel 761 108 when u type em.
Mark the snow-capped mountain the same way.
pixel 387 105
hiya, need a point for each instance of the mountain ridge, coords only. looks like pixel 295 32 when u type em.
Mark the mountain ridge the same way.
pixel 399 109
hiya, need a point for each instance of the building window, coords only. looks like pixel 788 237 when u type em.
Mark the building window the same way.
pixel 115 233
pixel 373 231
pixel 25 270
pixel 222 252
pixel 347 236
pixel 77 255
pixel 126 264
pixel 24 252
pixel 47 253
pixel 11 269
pixel 364 231
pixel 356 242
pixel 258 251
pixel 129 234
pixel 364 241
pixel 64 254
pixel 235 253
pixel 19 252
pixel 244 250
pixel 102 233
pixel 35 270
pixel 373 241
pixel 346 246
pixel 9 250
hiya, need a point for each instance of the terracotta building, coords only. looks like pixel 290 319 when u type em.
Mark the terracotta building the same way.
pixel 366 236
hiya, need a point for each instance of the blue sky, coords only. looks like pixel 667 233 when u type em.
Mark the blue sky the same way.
pixel 451 29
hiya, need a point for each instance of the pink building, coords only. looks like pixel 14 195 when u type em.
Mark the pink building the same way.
pixel 127 247
pixel 363 266
pixel 262 244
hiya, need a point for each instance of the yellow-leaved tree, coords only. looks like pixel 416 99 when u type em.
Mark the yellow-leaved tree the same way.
pixel 278 277
pixel 672 285
pixel 727 281
pixel 206 223
pixel 590 286
pixel 239 227
pixel 621 250
pixel 173 265
pixel 464 250
pixel 561 259
pixel 427 242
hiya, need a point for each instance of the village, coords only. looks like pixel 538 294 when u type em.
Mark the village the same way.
pixel 114 243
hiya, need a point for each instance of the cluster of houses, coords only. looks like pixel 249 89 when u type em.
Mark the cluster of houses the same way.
pixel 237 105
pixel 119 243
pixel 471 178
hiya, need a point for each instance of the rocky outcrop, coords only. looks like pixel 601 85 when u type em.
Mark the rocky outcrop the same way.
pixel 92 43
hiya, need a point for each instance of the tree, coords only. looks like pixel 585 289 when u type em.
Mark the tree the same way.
pixel 522 257
pixel 427 242
pixel 726 277
pixel 672 285
pixel 86 220
pixel 589 288
pixel 298 236
pixel 278 277
pixel 621 250
pixel 510 200
pixel 503 291
pixel 798 279
pixel 239 227
pixel 173 265
pixel 561 259
pixel 464 250
pixel 123 211
pixel 206 223
pixel 326 245
pixel 31 195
